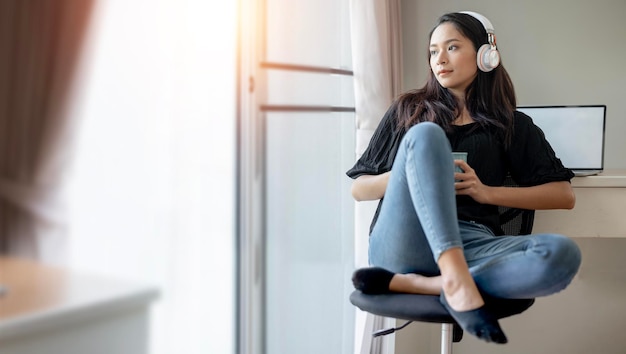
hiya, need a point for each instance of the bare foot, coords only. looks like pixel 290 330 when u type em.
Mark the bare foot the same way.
pixel 415 284
pixel 457 283
pixel 461 294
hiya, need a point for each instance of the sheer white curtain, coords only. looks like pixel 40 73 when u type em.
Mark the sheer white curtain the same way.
pixel 152 194
pixel 377 65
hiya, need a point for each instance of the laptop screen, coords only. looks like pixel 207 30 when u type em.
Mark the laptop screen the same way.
pixel 576 133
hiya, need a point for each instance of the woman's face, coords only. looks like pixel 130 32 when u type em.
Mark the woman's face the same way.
pixel 452 59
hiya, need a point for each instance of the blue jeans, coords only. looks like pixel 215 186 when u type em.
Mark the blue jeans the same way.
pixel 418 221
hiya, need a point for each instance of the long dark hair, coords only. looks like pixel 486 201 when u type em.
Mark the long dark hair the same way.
pixel 489 99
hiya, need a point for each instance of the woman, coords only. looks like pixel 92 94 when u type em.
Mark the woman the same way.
pixel 437 231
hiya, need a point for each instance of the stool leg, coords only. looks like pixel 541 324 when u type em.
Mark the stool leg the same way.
pixel 446 338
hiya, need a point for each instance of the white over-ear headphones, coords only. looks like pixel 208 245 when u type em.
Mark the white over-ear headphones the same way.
pixel 488 57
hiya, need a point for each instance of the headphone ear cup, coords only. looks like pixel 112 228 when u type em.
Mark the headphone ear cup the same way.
pixel 487 58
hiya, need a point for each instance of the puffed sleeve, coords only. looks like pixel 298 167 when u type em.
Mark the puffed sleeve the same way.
pixel 532 160
pixel 382 148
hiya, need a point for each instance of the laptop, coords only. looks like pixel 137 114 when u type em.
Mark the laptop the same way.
pixel 576 133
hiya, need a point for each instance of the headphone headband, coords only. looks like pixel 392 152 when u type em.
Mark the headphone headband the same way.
pixel 486 23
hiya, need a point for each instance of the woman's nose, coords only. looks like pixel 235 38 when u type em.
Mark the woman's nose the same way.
pixel 441 58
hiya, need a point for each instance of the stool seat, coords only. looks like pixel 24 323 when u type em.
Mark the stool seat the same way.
pixel 427 308
pixel 410 307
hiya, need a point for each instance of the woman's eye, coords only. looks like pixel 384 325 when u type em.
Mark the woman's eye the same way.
pixel 433 52
pixel 452 47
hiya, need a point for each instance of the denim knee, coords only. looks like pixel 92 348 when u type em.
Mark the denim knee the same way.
pixel 426 133
pixel 561 255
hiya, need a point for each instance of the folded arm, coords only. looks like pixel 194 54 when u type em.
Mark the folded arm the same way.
pixel 552 195
pixel 370 187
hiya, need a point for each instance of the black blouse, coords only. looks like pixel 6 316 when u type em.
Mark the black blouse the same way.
pixel 530 160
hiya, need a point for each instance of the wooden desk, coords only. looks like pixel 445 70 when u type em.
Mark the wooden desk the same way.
pixel 55 311
pixel 599 211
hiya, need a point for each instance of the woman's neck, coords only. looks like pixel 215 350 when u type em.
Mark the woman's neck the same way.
pixel 463 118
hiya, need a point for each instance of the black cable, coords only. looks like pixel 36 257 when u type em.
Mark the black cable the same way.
pixel 386 331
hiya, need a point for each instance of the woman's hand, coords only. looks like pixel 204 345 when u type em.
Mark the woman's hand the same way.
pixel 468 183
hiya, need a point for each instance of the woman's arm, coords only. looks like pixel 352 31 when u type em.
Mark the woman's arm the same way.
pixel 553 195
pixel 370 187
